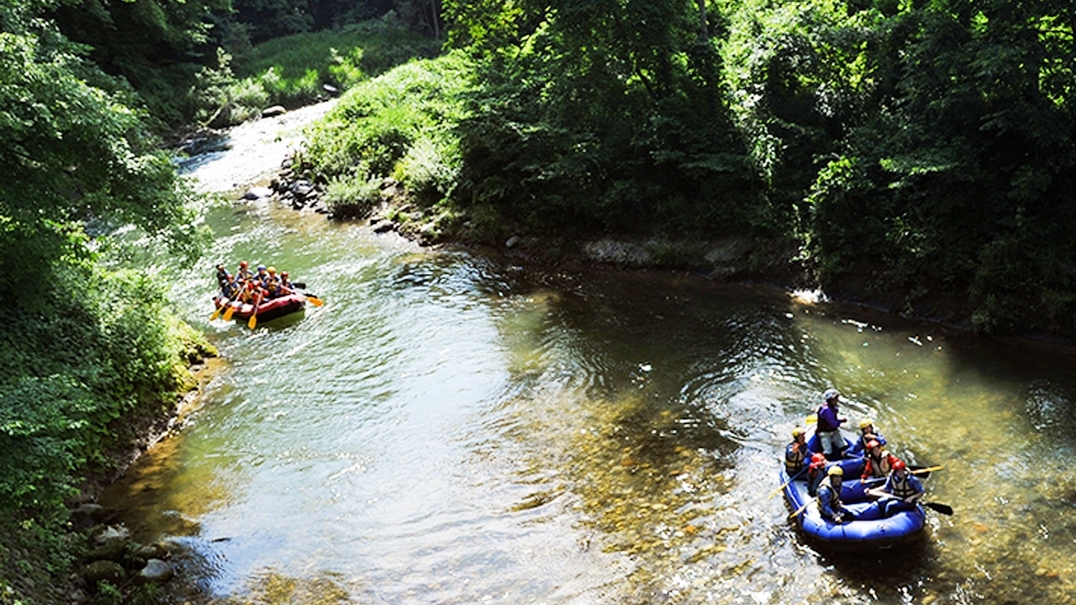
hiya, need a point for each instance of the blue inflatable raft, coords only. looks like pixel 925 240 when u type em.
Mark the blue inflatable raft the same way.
pixel 871 529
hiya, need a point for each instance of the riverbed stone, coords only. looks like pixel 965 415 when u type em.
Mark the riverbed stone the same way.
pixel 157 570
pixel 104 571
pixel 149 551
pixel 88 515
pixel 255 193
pixel 111 550
pixel 275 110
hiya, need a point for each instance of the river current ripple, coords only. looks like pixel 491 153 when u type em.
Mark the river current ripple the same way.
pixel 459 427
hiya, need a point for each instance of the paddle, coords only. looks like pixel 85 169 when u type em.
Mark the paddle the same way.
pixel 785 484
pixel 944 509
pixel 228 304
pixel 800 510
pixel 314 300
pixel 254 316
pixel 924 471
pixel 231 310
pixel 216 313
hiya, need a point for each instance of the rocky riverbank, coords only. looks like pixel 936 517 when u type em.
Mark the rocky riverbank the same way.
pixel 104 563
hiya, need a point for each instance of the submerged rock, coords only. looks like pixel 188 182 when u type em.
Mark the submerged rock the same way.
pixel 157 570
pixel 104 571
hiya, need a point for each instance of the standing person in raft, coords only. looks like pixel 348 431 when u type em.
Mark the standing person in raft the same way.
pixel 829 425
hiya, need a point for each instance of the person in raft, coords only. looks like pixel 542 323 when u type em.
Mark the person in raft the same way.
pixel 829 425
pixel 829 497
pixel 867 432
pixel 816 472
pixel 879 461
pixel 796 453
pixel 285 284
pixel 244 274
pixel 230 289
pixel 901 491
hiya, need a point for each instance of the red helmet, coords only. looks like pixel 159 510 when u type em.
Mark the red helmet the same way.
pixel 899 464
pixel 244 264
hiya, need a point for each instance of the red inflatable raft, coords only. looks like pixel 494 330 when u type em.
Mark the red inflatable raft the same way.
pixel 269 309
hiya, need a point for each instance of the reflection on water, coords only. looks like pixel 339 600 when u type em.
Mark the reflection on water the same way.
pixel 453 428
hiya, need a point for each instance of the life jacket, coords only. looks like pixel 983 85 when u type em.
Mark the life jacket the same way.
pixel 823 424
pixel 878 467
pixel 833 494
pixel 901 489
pixel 794 457
pixel 229 289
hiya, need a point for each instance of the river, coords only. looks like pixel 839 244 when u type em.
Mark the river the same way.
pixel 459 427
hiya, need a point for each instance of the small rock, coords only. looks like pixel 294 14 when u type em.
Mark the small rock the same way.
pixel 88 515
pixel 103 571
pixel 255 193
pixel 273 111
pixel 156 570
pixel 112 532
pixel 384 227
pixel 329 88
pixel 109 551
pixel 512 241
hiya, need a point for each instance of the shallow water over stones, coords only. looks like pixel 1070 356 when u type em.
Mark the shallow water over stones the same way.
pixel 460 428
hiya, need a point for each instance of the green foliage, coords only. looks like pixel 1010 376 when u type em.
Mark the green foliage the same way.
pixel 599 115
pixel 72 152
pixel 352 196
pixel 293 70
pixel 399 124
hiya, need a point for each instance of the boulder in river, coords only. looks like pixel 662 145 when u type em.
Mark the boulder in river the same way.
pixel 156 570
pixel 255 193
pixel 104 571
pixel 275 110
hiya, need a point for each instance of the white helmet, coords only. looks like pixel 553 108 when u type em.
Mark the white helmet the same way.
pixel 830 394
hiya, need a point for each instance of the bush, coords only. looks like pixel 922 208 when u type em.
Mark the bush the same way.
pixel 399 124
pixel 351 197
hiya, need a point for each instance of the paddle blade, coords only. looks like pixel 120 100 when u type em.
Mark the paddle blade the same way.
pixel 253 321
pixel 298 285
pixel 314 300
pixel 229 312
pixel 799 510
pixel 812 419
pixel 944 509
pixel 216 314
pixel 922 471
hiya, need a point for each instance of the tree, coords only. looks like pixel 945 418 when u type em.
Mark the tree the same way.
pixel 74 153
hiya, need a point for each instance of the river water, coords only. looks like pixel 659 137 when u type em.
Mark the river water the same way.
pixel 457 427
